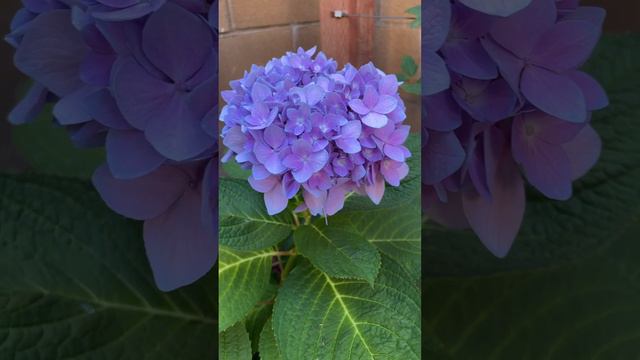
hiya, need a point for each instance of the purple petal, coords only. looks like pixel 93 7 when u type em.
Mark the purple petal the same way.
pixel 435 70
pixel 130 155
pixel 276 199
pixel 335 199
pixel 394 171
pixel 260 92
pixel 470 59
pixel 102 108
pixel 176 133
pixel 139 95
pixel 545 165
pixel 554 94
pixel 274 136
pixel 72 108
pixel 436 15
pixel 51 52
pixel 386 104
pixel 509 65
pixel 497 7
pixel 388 85
pixel 142 198
pixel 375 120
pixel 315 203
pixel 595 96
pixel 358 106
pixel 371 97
pixel 583 151
pixel 179 247
pixel 441 113
pixel 395 152
pixel 375 190
pixel 314 94
pixel 263 185
pixel 187 35
pixel 521 31
pixel 442 156
pixel 567 45
pixel 498 220
pixel 349 145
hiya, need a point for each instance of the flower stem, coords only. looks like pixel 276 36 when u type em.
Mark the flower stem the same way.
pixel 288 267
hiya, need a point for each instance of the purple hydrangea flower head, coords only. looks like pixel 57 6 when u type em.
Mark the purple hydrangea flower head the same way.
pixel 300 125
pixel 120 78
pixel 516 108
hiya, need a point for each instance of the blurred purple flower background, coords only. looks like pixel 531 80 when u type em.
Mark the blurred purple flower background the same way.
pixel 140 78
pixel 300 125
pixel 505 102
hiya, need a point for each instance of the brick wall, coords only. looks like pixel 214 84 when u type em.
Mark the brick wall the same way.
pixel 254 31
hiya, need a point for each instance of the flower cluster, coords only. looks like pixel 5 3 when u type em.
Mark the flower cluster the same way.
pixel 507 102
pixel 300 125
pixel 138 77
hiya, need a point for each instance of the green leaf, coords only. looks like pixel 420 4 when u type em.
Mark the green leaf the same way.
pixel 75 283
pixel 394 231
pixel 48 150
pixel 244 221
pixel 338 252
pixel 584 310
pixel 603 203
pixel 413 88
pixel 268 346
pixel 244 279
pixel 254 322
pixel 409 66
pixel 319 317
pixel 232 169
pixel 417 12
pixel 234 344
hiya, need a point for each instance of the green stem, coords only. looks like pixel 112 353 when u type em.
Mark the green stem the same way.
pixel 288 267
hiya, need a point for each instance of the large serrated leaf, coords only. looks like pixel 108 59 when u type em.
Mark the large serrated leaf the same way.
pixel 244 279
pixel 75 283
pixel 235 344
pixel 244 221
pixel 338 252
pixel 394 231
pixel 603 203
pixel 268 346
pixel 585 310
pixel 319 317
